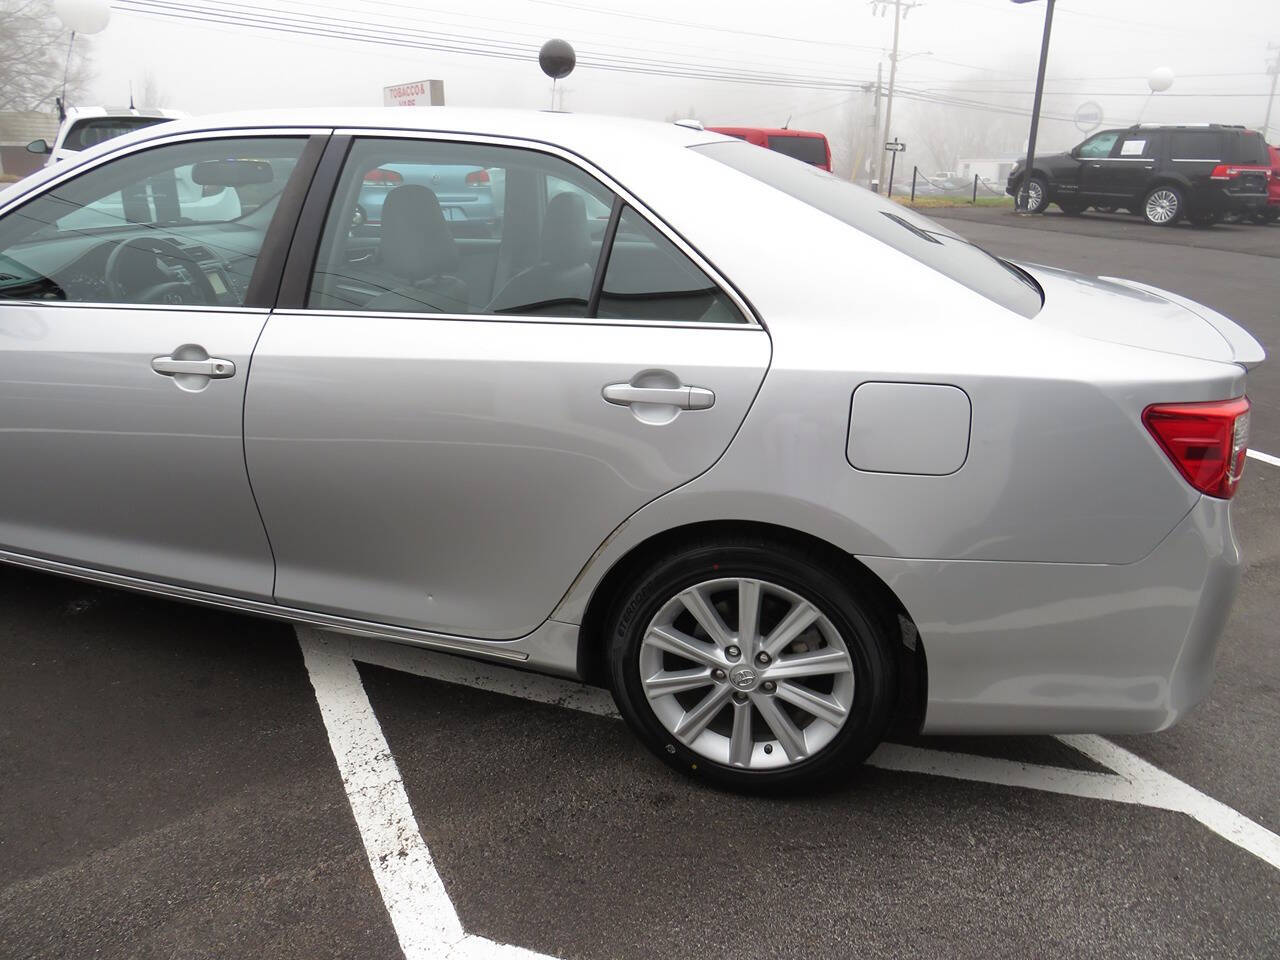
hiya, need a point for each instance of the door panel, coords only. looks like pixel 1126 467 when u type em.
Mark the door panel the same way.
pixel 456 475
pixel 110 464
pixel 124 352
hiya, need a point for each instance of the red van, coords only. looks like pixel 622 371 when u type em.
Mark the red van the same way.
pixel 804 145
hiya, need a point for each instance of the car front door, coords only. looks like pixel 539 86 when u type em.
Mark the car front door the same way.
pixel 1094 169
pixel 126 329
pixel 445 453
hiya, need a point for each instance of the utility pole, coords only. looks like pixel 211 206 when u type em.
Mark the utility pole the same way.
pixel 900 10
pixel 877 145
pixel 1273 68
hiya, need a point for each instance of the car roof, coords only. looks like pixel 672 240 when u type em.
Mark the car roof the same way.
pixel 567 129
pixel 77 113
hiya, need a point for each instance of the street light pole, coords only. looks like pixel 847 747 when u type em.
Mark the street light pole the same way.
pixel 1024 192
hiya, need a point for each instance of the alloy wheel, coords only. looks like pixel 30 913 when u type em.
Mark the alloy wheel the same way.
pixel 746 673
pixel 1162 206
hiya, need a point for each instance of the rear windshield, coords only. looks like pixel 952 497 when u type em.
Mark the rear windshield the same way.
pixel 89 133
pixel 905 230
pixel 1247 147
pixel 809 149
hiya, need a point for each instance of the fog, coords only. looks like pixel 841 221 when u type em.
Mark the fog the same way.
pixel 965 76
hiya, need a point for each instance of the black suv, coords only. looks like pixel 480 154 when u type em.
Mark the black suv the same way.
pixel 1165 173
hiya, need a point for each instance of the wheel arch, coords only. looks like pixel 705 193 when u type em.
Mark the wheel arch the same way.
pixel 910 697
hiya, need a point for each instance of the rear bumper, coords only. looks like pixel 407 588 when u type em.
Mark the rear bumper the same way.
pixel 1073 648
pixel 1227 202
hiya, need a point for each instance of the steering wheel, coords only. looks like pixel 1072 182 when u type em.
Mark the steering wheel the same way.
pixel 198 290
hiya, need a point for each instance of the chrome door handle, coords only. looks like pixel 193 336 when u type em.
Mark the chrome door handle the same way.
pixel 213 367
pixel 686 398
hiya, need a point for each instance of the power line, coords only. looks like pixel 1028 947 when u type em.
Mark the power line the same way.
pixel 315 27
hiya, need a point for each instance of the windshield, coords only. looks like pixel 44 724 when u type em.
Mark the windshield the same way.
pixel 918 237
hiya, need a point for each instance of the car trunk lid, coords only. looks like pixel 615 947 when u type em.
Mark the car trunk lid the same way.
pixel 1150 318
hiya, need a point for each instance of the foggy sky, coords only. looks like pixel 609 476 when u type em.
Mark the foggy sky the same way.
pixel 981 50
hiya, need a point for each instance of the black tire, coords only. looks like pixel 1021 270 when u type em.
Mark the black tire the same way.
pixel 1038 185
pixel 863 626
pixel 1164 205
pixel 1072 208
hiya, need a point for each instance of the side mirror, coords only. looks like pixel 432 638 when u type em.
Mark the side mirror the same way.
pixel 38 146
pixel 1075 152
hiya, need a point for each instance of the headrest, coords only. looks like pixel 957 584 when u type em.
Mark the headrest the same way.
pixel 564 231
pixel 416 240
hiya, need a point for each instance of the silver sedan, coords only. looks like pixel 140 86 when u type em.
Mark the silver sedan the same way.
pixel 778 461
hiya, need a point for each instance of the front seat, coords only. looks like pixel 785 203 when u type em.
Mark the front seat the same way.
pixel 417 257
pixel 562 279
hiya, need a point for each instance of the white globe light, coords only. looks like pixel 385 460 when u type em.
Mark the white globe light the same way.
pixel 83 16
pixel 1161 79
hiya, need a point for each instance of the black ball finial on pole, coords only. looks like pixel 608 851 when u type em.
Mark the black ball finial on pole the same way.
pixel 557 60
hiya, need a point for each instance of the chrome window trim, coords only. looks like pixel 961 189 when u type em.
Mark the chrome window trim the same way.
pixel 752 320
pixel 512 318
pixel 1194 160
pixel 160 307
pixel 229 133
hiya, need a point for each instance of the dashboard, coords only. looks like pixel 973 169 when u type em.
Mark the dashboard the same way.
pixel 159 267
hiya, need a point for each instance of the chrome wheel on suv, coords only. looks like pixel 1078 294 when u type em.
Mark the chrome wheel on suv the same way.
pixel 1163 206
pixel 757 664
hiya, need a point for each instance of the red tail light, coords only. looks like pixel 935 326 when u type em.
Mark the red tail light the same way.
pixel 383 178
pixel 477 178
pixel 1229 171
pixel 1207 442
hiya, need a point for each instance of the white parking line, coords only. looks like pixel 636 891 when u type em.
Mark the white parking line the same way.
pixel 420 908
pixel 1264 457
pixel 421 912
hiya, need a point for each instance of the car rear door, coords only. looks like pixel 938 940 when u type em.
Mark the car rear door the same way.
pixel 127 319
pixel 455 471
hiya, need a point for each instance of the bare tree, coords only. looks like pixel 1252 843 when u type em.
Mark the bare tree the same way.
pixel 33 56
pixel 149 94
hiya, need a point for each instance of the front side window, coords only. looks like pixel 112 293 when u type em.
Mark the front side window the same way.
pixel 424 226
pixel 175 224
pixel 1099 145
pixel 649 278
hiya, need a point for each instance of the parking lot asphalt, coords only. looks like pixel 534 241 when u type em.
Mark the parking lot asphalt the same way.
pixel 172 787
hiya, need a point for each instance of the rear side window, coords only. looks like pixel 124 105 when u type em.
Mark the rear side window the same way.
pixel 648 278
pixel 809 149
pixel 1247 147
pixel 1196 145
pixel 905 230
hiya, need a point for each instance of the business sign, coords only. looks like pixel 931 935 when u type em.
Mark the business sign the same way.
pixel 417 93
pixel 1088 116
